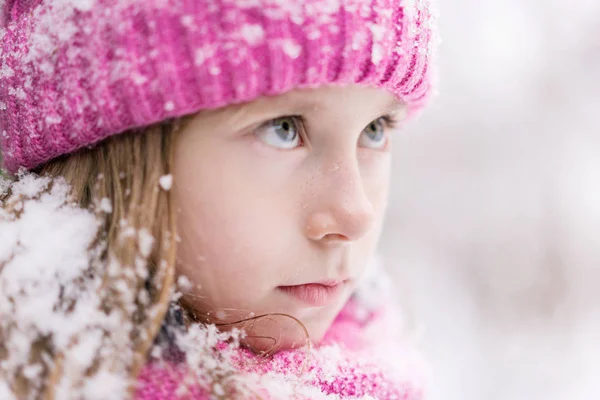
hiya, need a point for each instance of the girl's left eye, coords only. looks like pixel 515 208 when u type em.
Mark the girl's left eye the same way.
pixel 374 136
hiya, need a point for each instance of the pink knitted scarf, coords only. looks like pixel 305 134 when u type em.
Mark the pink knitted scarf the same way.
pixel 361 358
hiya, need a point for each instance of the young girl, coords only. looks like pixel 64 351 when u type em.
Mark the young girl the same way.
pixel 197 189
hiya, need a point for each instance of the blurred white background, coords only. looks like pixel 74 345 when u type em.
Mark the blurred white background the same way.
pixel 493 232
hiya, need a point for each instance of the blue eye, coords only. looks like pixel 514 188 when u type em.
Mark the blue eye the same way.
pixel 281 133
pixel 374 135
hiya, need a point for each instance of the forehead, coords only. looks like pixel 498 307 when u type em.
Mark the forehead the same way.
pixel 334 99
pixel 352 104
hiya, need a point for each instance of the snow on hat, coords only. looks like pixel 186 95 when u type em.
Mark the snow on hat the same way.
pixel 73 72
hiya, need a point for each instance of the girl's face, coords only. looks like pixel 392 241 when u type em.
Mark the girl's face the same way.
pixel 280 204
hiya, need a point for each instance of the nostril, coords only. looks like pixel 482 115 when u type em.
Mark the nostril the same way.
pixel 324 227
pixel 338 223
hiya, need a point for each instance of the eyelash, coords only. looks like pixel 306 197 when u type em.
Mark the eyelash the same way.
pixel 391 121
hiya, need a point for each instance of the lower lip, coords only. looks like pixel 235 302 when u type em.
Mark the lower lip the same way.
pixel 314 294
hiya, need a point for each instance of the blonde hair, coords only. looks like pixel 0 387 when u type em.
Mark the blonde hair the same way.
pixel 125 169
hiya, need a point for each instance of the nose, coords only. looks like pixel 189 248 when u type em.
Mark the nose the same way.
pixel 343 212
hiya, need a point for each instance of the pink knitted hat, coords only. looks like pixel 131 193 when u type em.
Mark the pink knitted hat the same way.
pixel 73 72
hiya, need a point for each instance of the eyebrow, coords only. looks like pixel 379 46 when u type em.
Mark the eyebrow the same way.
pixel 394 106
pixel 308 103
pixel 303 103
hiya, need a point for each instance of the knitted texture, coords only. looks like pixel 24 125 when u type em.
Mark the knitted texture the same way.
pixel 73 72
pixel 360 358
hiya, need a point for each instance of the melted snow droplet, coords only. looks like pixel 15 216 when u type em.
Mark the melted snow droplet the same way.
pixel 127 232
pixel 53 120
pixel 215 70
pixel 146 240
pixel 166 182
pixel 138 79
pixel 204 53
pixel 6 71
pixel 169 106
pixel 378 32
pixel 314 34
pixel 184 283
pixel 176 296
pixel 19 93
pixel 291 48
pixel 106 205
pixel 218 389
pixel 221 315
pixel 252 33
pixel 377 54
pixel 156 352
pixel 187 21
pixel 32 371
pixel 143 296
pixel 46 68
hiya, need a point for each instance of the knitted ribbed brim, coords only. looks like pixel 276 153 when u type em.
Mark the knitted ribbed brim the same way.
pixel 73 72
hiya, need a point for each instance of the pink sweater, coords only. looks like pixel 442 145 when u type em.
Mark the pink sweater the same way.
pixel 360 357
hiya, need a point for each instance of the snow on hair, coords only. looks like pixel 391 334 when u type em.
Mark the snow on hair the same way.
pixel 80 306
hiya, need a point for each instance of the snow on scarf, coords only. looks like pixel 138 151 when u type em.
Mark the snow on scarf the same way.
pixel 361 357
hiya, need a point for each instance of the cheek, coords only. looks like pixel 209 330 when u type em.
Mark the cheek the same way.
pixel 234 220
pixel 375 171
pixel 221 246
pixel 230 244
pixel 375 175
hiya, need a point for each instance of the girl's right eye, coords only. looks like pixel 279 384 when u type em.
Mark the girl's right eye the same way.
pixel 281 133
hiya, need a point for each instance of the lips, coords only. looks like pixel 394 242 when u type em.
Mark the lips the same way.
pixel 315 294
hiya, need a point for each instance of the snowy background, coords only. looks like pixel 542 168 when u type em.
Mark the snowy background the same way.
pixel 493 233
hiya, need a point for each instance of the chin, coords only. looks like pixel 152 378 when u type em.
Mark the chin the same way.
pixel 287 336
pixel 274 333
